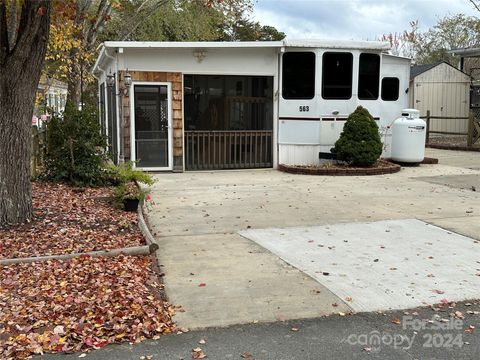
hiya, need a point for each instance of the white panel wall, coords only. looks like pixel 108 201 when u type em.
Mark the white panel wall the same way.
pixel 299 154
pixel 234 61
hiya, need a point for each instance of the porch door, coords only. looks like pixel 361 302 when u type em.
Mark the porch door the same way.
pixel 152 126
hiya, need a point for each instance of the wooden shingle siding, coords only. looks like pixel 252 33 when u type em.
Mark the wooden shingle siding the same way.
pixel 175 79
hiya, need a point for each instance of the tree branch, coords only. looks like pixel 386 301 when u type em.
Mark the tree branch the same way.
pixel 103 10
pixel 33 28
pixel 475 5
pixel 142 14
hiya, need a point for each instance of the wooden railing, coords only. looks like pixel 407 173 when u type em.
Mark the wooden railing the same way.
pixel 473 133
pixel 239 149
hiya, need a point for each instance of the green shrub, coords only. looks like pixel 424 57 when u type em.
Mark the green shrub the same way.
pixel 75 148
pixel 359 143
pixel 126 179
pixel 125 173
pixel 128 191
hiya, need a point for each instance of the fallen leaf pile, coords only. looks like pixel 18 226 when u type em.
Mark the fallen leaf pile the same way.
pixel 69 220
pixel 80 304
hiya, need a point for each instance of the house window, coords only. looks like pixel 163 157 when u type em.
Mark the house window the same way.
pixel 368 76
pixel 298 75
pixel 390 88
pixel 337 75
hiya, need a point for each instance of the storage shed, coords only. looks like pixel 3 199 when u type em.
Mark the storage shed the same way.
pixel 445 91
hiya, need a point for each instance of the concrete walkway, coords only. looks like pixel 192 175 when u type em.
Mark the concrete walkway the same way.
pixel 221 278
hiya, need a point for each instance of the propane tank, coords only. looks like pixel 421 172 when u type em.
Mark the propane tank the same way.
pixel 408 137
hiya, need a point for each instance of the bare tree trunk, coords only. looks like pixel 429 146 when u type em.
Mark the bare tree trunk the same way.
pixel 74 94
pixel 20 68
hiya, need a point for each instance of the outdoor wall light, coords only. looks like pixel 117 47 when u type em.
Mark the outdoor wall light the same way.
pixel 111 80
pixel 127 80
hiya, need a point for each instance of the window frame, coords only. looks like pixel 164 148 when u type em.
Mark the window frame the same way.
pixel 398 88
pixel 323 75
pixel 314 56
pixel 378 76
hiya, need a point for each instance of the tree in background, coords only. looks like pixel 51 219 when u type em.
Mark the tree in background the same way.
pixel 455 32
pixel 248 30
pixel 403 43
pixel 23 43
pixel 75 27
pixel 181 20
pixel 194 20
pixel 433 45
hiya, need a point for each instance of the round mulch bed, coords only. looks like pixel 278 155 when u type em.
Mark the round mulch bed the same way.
pixel 430 161
pixel 382 167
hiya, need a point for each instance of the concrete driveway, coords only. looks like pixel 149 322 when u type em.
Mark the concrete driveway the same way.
pixel 221 278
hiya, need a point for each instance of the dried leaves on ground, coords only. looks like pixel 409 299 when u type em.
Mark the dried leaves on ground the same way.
pixel 70 220
pixel 83 303
pixel 79 304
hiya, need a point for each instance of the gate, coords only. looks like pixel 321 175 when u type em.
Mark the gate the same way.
pixel 474 128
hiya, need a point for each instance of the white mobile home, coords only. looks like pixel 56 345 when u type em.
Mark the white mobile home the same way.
pixel 213 105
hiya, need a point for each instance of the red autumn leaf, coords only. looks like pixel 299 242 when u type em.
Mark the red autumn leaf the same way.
pixel 85 302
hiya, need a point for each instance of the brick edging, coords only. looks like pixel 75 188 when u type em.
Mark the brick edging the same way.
pixel 392 168
pixel 429 161
pixel 452 147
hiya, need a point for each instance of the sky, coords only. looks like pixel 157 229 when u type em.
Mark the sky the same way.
pixel 354 19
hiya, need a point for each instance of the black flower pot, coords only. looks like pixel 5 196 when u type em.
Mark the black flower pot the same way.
pixel 130 204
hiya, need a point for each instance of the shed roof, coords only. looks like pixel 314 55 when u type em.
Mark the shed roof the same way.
pixel 420 69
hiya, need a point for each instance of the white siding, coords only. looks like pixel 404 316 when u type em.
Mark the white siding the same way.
pixel 445 91
pixel 226 61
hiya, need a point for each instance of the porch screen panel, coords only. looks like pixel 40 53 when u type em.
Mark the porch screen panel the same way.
pixel 228 121
pixel 151 126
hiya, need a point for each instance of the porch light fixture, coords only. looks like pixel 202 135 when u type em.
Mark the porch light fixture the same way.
pixel 200 55
pixel 127 79
pixel 111 80
pixel 127 82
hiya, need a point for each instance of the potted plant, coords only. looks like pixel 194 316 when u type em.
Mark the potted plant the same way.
pixel 129 196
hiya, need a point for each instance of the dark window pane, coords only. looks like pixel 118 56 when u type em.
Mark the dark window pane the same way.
pixel 368 76
pixel 298 75
pixel 337 75
pixel 390 88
